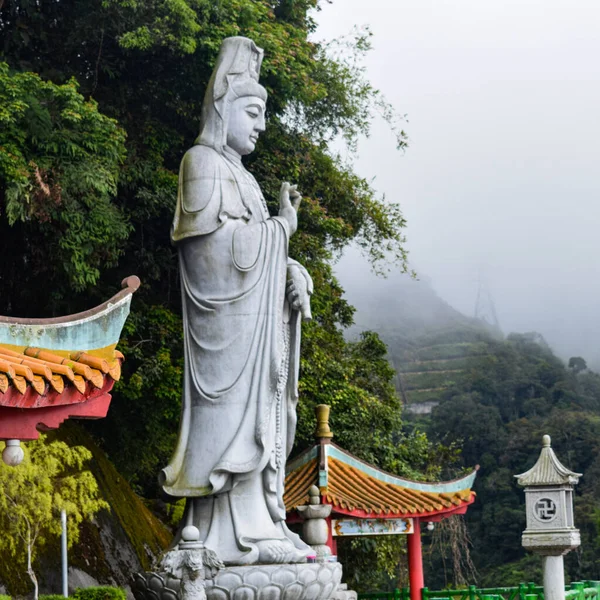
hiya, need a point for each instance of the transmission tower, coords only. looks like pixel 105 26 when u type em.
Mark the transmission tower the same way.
pixel 485 309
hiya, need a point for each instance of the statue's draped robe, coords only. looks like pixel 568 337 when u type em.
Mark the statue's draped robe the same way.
pixel 241 358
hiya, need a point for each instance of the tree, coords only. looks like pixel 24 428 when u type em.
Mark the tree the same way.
pixel 513 393
pixel 50 479
pixel 577 364
pixel 146 64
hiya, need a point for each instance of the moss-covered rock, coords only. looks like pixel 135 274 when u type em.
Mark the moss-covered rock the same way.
pixel 143 530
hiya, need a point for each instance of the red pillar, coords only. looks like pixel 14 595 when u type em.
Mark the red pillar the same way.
pixel 415 561
pixel 331 541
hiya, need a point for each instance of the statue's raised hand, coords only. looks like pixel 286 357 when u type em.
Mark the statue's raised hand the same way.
pixel 289 201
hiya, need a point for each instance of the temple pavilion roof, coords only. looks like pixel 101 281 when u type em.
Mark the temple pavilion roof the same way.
pixel 41 377
pixel 54 369
pixel 355 487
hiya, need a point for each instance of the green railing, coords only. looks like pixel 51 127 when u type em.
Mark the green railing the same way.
pixel 525 591
pixel 397 594
pixel 580 590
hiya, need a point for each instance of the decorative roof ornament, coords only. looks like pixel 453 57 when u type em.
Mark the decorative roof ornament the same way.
pixel 323 430
pixel 548 470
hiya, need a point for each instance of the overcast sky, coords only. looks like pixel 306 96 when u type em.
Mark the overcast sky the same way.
pixel 501 181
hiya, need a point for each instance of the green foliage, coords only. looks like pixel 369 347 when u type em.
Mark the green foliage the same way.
pixel 447 351
pixel 100 593
pixel 146 65
pixel 51 597
pixel 50 479
pixel 372 563
pixel 577 364
pixel 356 380
pixel 513 395
pixel 152 379
pixel 147 535
pixel 526 569
pixel 433 379
pixel 436 365
pixel 59 167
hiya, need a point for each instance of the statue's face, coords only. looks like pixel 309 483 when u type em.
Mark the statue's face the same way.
pixel 246 123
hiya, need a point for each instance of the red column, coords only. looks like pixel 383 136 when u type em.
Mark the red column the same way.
pixel 331 541
pixel 415 561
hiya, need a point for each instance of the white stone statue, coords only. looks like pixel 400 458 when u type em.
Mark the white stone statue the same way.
pixel 243 299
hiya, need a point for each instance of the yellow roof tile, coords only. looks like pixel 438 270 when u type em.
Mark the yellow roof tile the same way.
pixel 44 371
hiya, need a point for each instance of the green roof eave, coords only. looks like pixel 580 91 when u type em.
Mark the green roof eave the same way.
pixel 302 459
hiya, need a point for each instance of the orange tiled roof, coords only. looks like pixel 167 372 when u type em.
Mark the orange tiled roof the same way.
pixel 297 484
pixel 44 372
pixel 351 485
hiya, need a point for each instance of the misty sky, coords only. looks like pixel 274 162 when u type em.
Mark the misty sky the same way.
pixel 502 176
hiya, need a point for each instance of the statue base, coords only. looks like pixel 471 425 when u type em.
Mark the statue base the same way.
pixel 300 581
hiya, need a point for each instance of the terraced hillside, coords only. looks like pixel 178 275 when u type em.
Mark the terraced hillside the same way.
pixel 433 364
pixel 431 345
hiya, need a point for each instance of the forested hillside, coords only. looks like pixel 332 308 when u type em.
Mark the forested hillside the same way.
pixel 494 397
pixel 514 394
pixel 430 344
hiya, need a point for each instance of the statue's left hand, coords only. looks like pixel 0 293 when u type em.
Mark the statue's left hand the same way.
pixel 298 290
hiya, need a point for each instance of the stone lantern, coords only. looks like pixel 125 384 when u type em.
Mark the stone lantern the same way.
pixel 550 528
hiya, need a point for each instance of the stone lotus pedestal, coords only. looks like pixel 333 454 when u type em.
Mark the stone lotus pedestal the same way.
pixel 308 581
pixel 192 572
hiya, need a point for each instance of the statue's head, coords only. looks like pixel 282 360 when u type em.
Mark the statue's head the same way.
pixel 233 111
pixel 245 123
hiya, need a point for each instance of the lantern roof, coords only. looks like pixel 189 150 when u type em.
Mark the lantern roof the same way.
pixel 548 470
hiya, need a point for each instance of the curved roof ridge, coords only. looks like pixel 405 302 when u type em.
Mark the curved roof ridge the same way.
pixel 129 286
pixel 302 458
pixel 454 485
pixel 92 329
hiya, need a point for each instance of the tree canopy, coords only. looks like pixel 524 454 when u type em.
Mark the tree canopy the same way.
pixel 51 478
pixel 513 394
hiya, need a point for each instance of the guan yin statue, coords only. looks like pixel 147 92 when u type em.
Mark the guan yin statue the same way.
pixel 243 302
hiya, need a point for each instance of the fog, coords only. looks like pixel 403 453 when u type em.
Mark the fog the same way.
pixel 501 182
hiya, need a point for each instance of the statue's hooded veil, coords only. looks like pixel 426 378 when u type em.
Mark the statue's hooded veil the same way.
pixel 235 75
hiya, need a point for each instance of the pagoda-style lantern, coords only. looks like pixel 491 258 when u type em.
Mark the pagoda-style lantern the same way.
pixel 550 528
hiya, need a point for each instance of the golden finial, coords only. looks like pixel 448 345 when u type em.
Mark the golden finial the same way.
pixel 323 431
